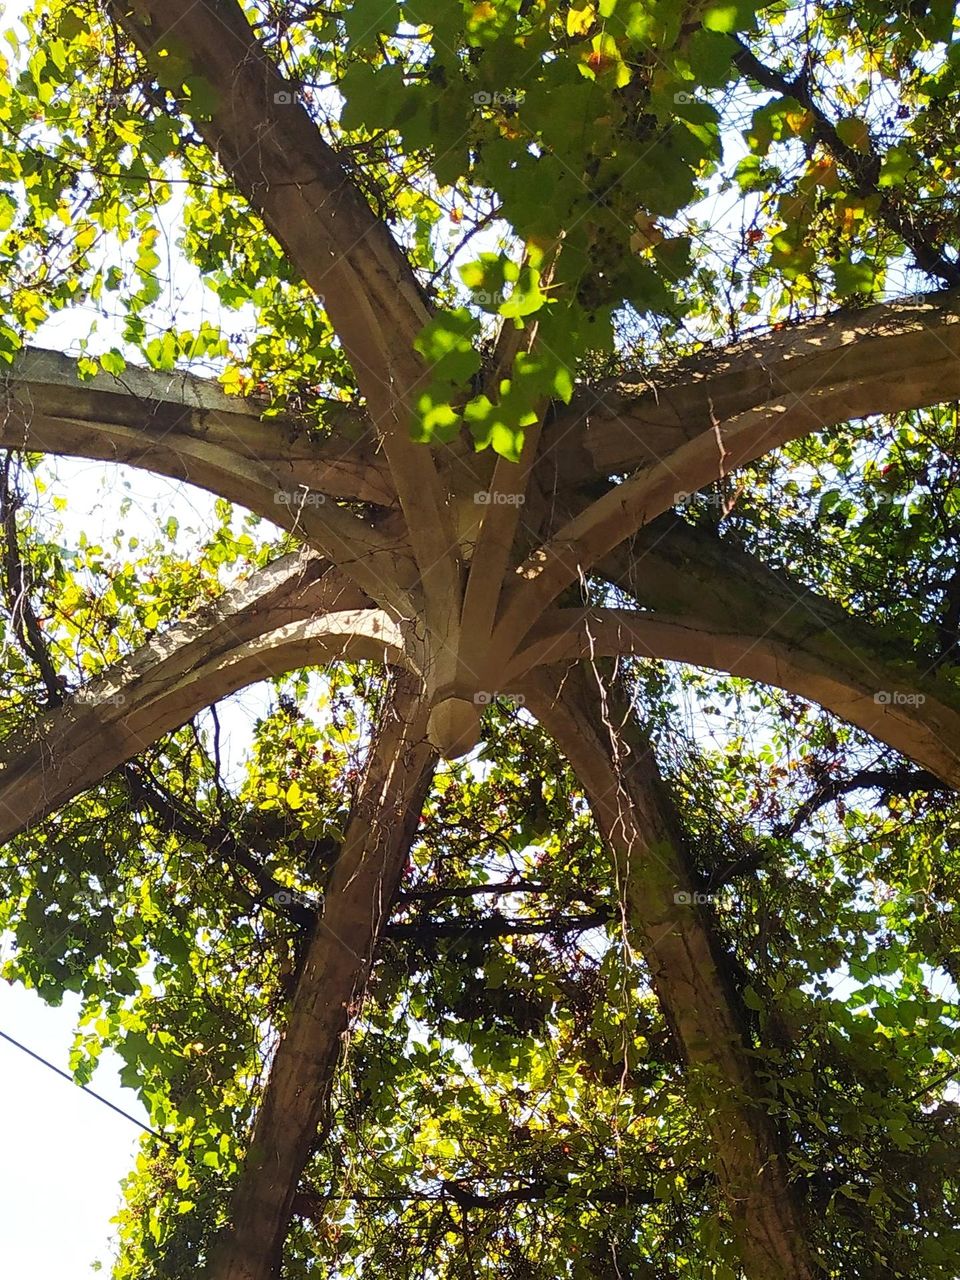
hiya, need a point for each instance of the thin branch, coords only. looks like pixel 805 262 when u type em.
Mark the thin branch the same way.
pixel 470 890
pixel 314 1204
pixel 176 819
pixel 17 590
pixel 894 782
pixel 948 630
pixel 498 926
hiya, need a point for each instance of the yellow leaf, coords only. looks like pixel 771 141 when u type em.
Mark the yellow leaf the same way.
pixel 232 381
pixel 579 21
pixel 799 122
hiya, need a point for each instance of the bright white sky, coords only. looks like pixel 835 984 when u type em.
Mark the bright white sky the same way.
pixel 63 1153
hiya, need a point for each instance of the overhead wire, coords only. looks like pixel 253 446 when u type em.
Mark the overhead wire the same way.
pixel 86 1088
